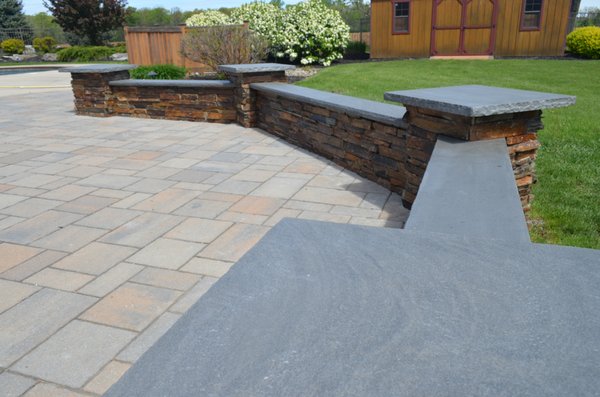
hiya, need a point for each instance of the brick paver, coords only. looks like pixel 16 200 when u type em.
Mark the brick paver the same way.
pixel 110 229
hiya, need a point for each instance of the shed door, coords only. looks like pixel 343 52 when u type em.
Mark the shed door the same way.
pixel 463 27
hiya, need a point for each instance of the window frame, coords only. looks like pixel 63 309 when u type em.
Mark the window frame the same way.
pixel 408 17
pixel 524 28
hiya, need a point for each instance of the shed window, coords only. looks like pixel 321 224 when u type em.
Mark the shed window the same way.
pixel 532 14
pixel 401 16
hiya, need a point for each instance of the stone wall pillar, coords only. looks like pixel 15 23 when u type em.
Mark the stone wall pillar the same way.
pixel 474 113
pixel 244 75
pixel 91 88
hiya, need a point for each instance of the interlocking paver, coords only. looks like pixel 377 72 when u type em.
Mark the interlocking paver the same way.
pixel 14 385
pixel 61 361
pixel 12 293
pixel 207 267
pixel 167 253
pixel 82 198
pixel 131 306
pixel 33 265
pixel 95 258
pixel 142 230
pixel 235 242
pixel 69 238
pixel 49 389
pixel 30 322
pixel 199 230
pixel 110 280
pixel 59 279
pixel 164 278
pixel 38 227
pixel 147 338
pixel 13 254
pixel 109 375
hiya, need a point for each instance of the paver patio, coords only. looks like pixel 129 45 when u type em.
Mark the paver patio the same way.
pixel 110 228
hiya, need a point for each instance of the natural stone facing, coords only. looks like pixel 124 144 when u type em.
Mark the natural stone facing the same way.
pixel 373 149
pixel 479 100
pixel 183 100
pixel 99 68
pixel 255 68
pixel 351 106
pixel 173 83
pixel 426 125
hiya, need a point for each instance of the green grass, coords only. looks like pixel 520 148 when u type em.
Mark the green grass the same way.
pixel 566 208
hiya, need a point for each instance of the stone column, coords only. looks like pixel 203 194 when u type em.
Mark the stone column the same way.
pixel 244 75
pixel 91 88
pixel 474 113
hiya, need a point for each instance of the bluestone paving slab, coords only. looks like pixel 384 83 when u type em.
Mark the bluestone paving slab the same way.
pixel 61 361
pixel 14 254
pixel 456 196
pixel 33 265
pixel 142 230
pixel 198 230
pixel 30 322
pixel 109 375
pixel 167 253
pixel 100 68
pixel 95 258
pixel 478 100
pixel 379 312
pixel 111 279
pixel 35 228
pixel 69 238
pixel 49 389
pixel 59 279
pixel 184 303
pixel 164 278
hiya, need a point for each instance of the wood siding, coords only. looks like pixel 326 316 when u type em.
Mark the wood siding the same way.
pixel 509 39
pixel 158 45
pixel 416 43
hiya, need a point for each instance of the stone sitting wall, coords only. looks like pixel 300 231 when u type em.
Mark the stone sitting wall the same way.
pixel 388 144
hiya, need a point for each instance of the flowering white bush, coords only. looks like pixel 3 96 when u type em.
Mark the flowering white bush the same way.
pixel 313 33
pixel 208 18
pixel 308 32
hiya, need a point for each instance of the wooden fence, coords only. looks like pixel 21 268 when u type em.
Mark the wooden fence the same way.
pixel 158 45
pixel 365 37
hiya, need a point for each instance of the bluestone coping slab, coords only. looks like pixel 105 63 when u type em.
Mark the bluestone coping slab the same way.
pixel 357 107
pixel 173 83
pixel 469 190
pixel 319 309
pixel 479 100
pixel 255 68
pixel 101 68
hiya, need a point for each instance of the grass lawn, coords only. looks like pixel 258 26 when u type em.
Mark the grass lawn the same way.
pixel 566 208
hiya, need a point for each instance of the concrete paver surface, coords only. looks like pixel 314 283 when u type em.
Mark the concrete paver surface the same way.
pixel 111 228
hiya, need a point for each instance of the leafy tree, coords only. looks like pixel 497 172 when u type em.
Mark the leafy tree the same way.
pixel 11 14
pixel 44 25
pixel 88 18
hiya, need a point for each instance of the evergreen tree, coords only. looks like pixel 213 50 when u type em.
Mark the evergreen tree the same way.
pixel 11 14
pixel 88 18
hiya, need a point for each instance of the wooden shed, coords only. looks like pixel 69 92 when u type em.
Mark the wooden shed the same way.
pixel 423 28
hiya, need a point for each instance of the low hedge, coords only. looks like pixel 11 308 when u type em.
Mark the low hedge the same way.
pixel 158 72
pixel 86 54
pixel 13 46
pixel 585 42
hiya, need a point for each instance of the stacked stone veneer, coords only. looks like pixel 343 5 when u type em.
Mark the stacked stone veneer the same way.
pixel 389 144
pixel 198 101
pixel 518 129
pixel 373 144
pixel 92 90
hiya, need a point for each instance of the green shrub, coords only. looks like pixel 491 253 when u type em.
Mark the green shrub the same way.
pixel 161 72
pixel 84 54
pixel 356 47
pixel 44 44
pixel 121 49
pixel 13 46
pixel 585 42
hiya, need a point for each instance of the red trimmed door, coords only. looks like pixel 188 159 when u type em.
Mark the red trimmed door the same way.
pixel 463 27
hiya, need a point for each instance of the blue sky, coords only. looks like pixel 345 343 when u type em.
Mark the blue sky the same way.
pixel 35 6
